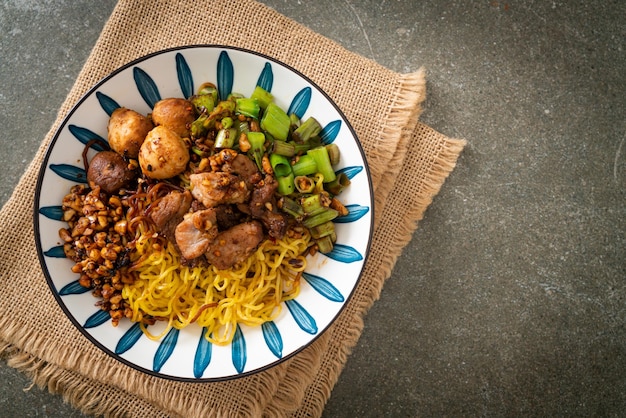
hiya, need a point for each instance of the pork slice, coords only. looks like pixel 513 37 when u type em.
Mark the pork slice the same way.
pixel 216 188
pixel 195 233
pixel 173 205
pixel 245 168
pixel 229 216
pixel 263 207
pixel 234 245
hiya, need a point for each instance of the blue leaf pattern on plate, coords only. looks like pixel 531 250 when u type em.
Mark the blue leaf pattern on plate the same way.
pixel 266 79
pixel 69 172
pixel 73 288
pixel 344 254
pixel 300 102
pixel 97 319
pixel 129 339
pixel 148 90
pixel 323 287
pixel 84 135
pixel 350 172
pixel 304 319
pixel 52 212
pixel 329 132
pixel 272 337
pixel 107 103
pixel 55 252
pixel 225 75
pixel 165 349
pixel 239 350
pixel 356 212
pixel 203 355
pixel 185 79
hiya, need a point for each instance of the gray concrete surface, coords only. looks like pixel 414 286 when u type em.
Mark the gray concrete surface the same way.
pixel 510 299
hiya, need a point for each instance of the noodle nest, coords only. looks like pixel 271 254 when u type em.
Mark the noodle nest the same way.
pixel 250 293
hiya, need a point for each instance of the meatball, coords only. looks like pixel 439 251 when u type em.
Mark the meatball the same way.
pixel 110 171
pixel 163 154
pixel 177 114
pixel 127 131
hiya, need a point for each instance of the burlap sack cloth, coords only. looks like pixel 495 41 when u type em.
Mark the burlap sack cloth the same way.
pixel 408 160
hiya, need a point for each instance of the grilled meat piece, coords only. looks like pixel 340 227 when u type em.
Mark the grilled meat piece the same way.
pixel 263 207
pixel 216 188
pixel 195 233
pixel 234 245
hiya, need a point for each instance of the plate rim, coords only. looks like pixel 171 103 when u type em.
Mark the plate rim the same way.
pixel 43 169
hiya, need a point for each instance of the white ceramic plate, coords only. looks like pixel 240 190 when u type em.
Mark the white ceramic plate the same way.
pixel 329 280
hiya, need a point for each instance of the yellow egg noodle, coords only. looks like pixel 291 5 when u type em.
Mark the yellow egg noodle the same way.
pixel 250 293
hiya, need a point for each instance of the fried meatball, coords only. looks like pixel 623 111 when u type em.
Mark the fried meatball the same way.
pixel 163 154
pixel 127 130
pixel 176 114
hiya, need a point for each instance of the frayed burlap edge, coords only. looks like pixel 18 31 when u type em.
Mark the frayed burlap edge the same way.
pixel 406 109
pixel 89 399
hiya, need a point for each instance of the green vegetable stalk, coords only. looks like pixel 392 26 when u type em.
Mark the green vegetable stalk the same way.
pixel 324 167
pixel 276 122
pixel 257 143
pixel 280 165
pixel 304 166
pixel 225 138
pixel 309 129
pixel 263 97
pixel 248 107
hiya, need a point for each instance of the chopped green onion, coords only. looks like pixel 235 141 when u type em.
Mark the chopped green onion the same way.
pixel 263 96
pixel 322 230
pixel 280 165
pixel 320 155
pixel 304 184
pixel 285 184
pixel 333 154
pixel 276 122
pixel 223 109
pixel 324 245
pixel 209 89
pixel 294 121
pixel 312 204
pixel 202 103
pixel 291 207
pixel 200 126
pixel 234 96
pixel 300 148
pixel 313 142
pixel 257 142
pixel 227 122
pixel 243 126
pixel 225 138
pixel 304 166
pixel 307 130
pixel 248 107
pixel 320 217
pixel 283 148
pixel 197 151
pixel 336 186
